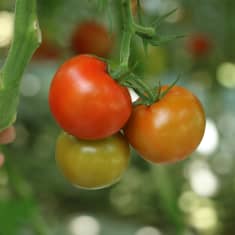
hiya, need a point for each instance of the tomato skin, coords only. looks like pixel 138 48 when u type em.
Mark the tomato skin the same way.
pixel 92 164
pixel 168 130
pixel 91 37
pixel 86 102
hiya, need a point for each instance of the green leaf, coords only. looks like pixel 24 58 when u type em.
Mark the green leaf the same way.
pixel 27 37
pixel 158 41
pixel 156 23
pixel 171 85
pixel 14 215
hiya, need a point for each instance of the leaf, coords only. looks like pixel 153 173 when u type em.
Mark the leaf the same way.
pixel 158 41
pixel 171 85
pixel 15 214
pixel 156 23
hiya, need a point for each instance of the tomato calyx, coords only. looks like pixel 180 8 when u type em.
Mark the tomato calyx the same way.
pixel 126 77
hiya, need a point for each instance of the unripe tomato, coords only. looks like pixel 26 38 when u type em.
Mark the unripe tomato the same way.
pixel 86 102
pixel 198 45
pixel 92 164
pixel 168 130
pixel 91 37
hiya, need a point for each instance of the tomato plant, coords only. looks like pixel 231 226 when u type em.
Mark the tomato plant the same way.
pixel 85 101
pixel 92 164
pixel 169 129
pixel 91 37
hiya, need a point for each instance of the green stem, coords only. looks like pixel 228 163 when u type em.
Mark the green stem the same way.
pixel 130 29
pixel 26 39
pixel 127 34
pixel 168 197
pixel 125 49
pixel 146 90
pixel 123 74
pixel 146 31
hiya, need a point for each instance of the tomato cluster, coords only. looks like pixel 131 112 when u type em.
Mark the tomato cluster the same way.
pixel 100 122
pixel 92 108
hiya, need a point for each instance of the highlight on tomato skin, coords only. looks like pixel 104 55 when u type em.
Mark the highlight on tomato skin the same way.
pixel 86 102
pixel 169 130
pixel 91 37
pixel 92 164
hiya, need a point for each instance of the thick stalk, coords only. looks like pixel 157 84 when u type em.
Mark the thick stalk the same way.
pixel 26 39
pixel 166 190
pixel 127 34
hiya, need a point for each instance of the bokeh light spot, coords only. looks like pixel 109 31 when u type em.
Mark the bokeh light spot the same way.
pixel 226 75
pixel 148 230
pixel 204 218
pixel 84 225
pixel 30 85
pixel 6 26
pixel 210 139
pixel 202 180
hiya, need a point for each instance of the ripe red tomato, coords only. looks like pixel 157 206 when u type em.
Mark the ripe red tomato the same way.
pixel 47 50
pixel 168 130
pixel 198 45
pixel 92 38
pixel 86 102
pixel 92 164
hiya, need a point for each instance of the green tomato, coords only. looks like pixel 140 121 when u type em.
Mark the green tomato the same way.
pixel 92 164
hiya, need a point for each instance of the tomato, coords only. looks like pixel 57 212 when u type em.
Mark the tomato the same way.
pixel 91 37
pixel 92 164
pixel 199 45
pixel 168 130
pixel 86 102
pixel 47 50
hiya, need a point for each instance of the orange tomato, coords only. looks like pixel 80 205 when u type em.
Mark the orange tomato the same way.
pixel 168 130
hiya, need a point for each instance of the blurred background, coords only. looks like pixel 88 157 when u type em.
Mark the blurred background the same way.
pixel 195 196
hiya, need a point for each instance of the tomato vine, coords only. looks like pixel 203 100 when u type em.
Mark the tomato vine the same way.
pixel 27 37
pixel 149 36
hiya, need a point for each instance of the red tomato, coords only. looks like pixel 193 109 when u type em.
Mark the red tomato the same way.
pixel 85 101
pixel 199 45
pixel 92 38
pixel 47 51
pixel 168 130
